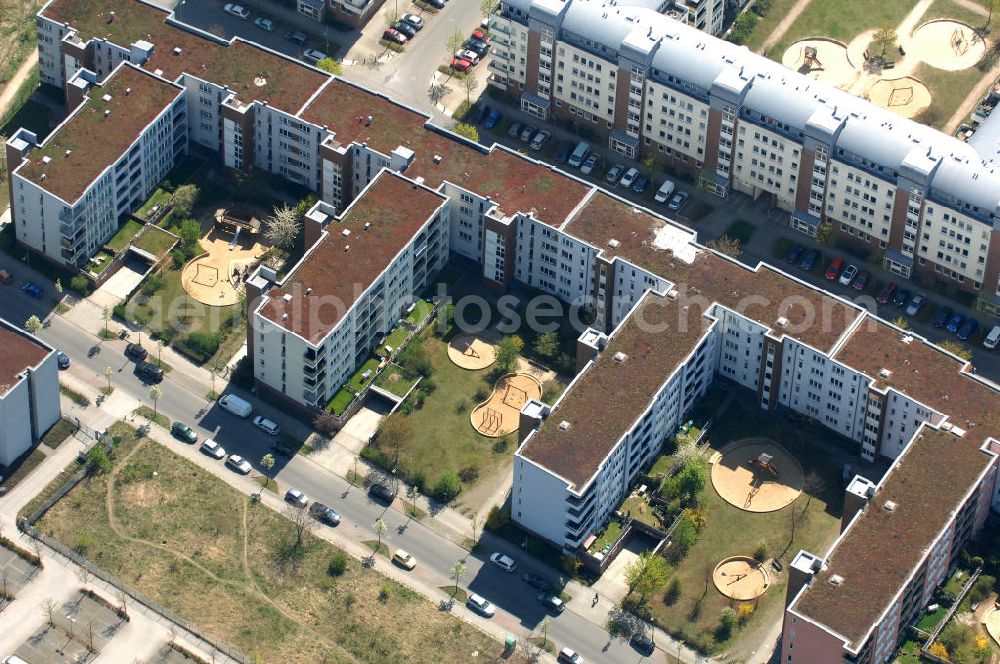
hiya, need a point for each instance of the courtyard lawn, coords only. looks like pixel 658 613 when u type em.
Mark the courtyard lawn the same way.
pixel 397 337
pixel 160 197
pixel 358 381
pixel 730 531
pixel 105 257
pixel 953 10
pixel 843 20
pixel 393 379
pixel 421 309
pixel 765 26
pixel 121 239
pixel 948 89
pixel 155 241
pixel 340 401
pixel 608 537
pixel 189 541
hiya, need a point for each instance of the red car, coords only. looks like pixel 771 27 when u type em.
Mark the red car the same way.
pixel 480 36
pixel 861 281
pixel 460 64
pixel 886 293
pixel 834 269
pixel 394 35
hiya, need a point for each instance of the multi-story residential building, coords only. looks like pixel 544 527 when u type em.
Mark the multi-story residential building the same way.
pixel 398 195
pixel 29 391
pixel 648 85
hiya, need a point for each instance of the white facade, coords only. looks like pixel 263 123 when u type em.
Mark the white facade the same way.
pixel 29 406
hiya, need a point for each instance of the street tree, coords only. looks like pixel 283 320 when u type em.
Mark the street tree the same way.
pixel 646 574
pixel 330 65
pixel 33 324
pixel 469 84
pixel 267 462
pixel 455 41
pixel 155 394
pixel 282 228
pixel 487 7
pixel 108 373
pixel 456 573
pixel 106 317
pixel 380 529
pixel 302 522
pixel 159 353
pixel 183 199
pixel 58 286
pixel 49 607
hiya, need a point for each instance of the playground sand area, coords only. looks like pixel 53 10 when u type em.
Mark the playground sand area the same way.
pixel 472 351
pixel 741 578
pixel 209 278
pixel 904 96
pixel 756 475
pixel 822 59
pixel 946 44
pixel 500 414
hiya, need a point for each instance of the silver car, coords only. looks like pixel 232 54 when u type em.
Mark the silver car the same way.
pixel 297 498
pixel 213 449
pixel 481 605
pixel 239 464
pixel 266 425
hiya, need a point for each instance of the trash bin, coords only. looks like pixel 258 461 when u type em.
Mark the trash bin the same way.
pixel 509 646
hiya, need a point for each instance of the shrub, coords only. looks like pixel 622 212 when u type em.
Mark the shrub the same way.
pixel 565 363
pixel 467 131
pixel 500 446
pixel 338 564
pixel 481 393
pixel 152 284
pixel 497 518
pixel 80 284
pixel 983 586
pixel 204 342
pixel 760 553
pixel 743 612
pixel 727 621
pixel 383 594
pixel 326 423
pixel 97 460
pixel 82 542
pixel 448 486
pixel 189 232
pixel 681 541
pixel 743 27
pixel 419 481
pixel 551 390
pixel 469 474
pixel 428 386
pixel 414 361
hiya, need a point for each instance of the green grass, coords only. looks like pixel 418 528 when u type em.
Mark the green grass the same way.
pixel 160 197
pixel 953 10
pixel 357 382
pixel 397 337
pixel 340 401
pixel 765 26
pixel 909 653
pixel 610 536
pixel 155 241
pixel 421 309
pixel 59 432
pixel 929 621
pixel 731 531
pixel 151 415
pixel 394 380
pixel 267 483
pixel 843 20
pixel 21 467
pixel 188 540
pixel 123 237
pixel 948 89
pixel 76 397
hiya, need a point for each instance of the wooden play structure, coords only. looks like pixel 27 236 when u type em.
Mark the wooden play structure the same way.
pixel 236 220
pixel 764 465
pixel 810 59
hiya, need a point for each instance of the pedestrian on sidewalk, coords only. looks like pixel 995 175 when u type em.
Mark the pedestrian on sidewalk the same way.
pixel 596 598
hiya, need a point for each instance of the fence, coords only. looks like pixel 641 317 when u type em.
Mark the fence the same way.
pixel 925 650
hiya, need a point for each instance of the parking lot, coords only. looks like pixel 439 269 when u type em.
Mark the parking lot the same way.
pixel 15 571
pixel 73 632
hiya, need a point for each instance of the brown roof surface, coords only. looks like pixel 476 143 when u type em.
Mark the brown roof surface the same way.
pixel 396 208
pixel 516 184
pixel 654 349
pixel 249 71
pixel 95 147
pixel 878 554
pixel 20 351
pixel 766 295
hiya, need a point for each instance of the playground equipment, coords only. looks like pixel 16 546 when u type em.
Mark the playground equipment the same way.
pixel 490 421
pixel 959 42
pixel 235 219
pixel 810 58
pixel 764 463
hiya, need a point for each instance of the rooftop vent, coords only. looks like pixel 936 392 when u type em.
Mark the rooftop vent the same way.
pixel 564 425
pixel 287 297
pixel 614 244
pixel 884 373
pixel 889 506
pixel 46 159
pixel 106 98
pixel 781 322
pixel 347 247
pixel 672 294
pixel 177 50
pixel 69 152
pixel 43 176
pixel 346 232
pixel 620 357
pixel 128 91
pixel 309 291
pixel 837 580
pixel 437 159
pixel 259 81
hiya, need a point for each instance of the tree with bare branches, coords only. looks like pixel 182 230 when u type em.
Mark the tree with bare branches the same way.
pixel 49 608
pixel 302 522
pixel 282 228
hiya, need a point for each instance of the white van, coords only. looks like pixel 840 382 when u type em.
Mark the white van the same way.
pixel 579 154
pixel 236 405
pixel 663 193
pixel 993 338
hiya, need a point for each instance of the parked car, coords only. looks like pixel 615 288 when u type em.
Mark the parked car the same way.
pixel 515 130
pixel 297 37
pixel 394 35
pixel 942 316
pixel 136 352
pixel 504 562
pixel 677 201
pixel 312 55
pixel 663 193
pixel 33 290
pixel 570 656
pixel 629 177
pixel 213 449
pixel 239 11
pixel 550 602
pixel 324 514
pixel 296 497
pixel 282 450
pixel 526 133
pixel 614 173
pixel 588 166
pixel 565 150
pixel 643 643
pixel 834 268
pixel 848 275
pixel 480 605
pixel 954 323
pixel 239 464
pixel 900 297
pixel 62 359
pixel 492 119
pixel 149 371
pixel 992 338
pixel 265 24
pixel 810 259
pixel 413 20
pixel 916 303
pixel 968 328
pixel 269 427
pixel 437 4
pixel 861 281
pixel 794 255
pixel 381 492
pixel 460 64
pixel 405 28
pixel 477 47
pixel 236 405
pixel 536 581
pixel 183 432
pixel 640 185
pixel 886 294
pixel 404 559
pixel 468 54
pixel 480 36
pixel 539 140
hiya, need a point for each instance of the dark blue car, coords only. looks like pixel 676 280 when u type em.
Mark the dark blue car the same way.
pixel 565 150
pixel 968 328
pixel 492 119
pixel 810 259
pixel 794 254
pixel 942 316
pixel 33 290
pixel 955 322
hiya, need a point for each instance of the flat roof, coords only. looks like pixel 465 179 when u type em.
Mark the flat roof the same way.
pixel 654 345
pixel 515 183
pixel 764 295
pixel 20 351
pixel 96 140
pixel 877 555
pixel 396 208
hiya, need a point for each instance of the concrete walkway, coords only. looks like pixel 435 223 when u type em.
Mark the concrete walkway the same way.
pixel 11 88
pixel 782 27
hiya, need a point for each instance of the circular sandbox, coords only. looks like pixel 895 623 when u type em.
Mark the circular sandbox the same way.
pixel 741 578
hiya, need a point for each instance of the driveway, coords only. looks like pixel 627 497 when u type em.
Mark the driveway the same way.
pixel 125 280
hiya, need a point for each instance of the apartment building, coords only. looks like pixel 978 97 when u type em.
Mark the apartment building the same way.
pixel 69 192
pixel 649 85
pixel 29 391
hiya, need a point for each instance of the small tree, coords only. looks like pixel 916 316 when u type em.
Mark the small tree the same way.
pixel 267 462
pixel 468 131
pixel 455 41
pixel 49 607
pixel 155 394
pixel 448 486
pixel 508 351
pixel 108 373
pixel 458 570
pixel 302 522
pixel 58 286
pixel 901 323
pixel 33 324
pixel 487 7
pixel 282 228
pixel 159 352
pixel 726 245
pixel 98 462
pixel 727 621
pixel 824 234
pixel 647 574
pixel 469 84
pixel 396 433
pixel 380 529
pixel 330 65
pixel 956 349
pixel 326 423
pixel 884 39
pixel 547 344
pixel 106 317
pixel 338 564
pixel 391 15
pixel 183 199
pixel 189 232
